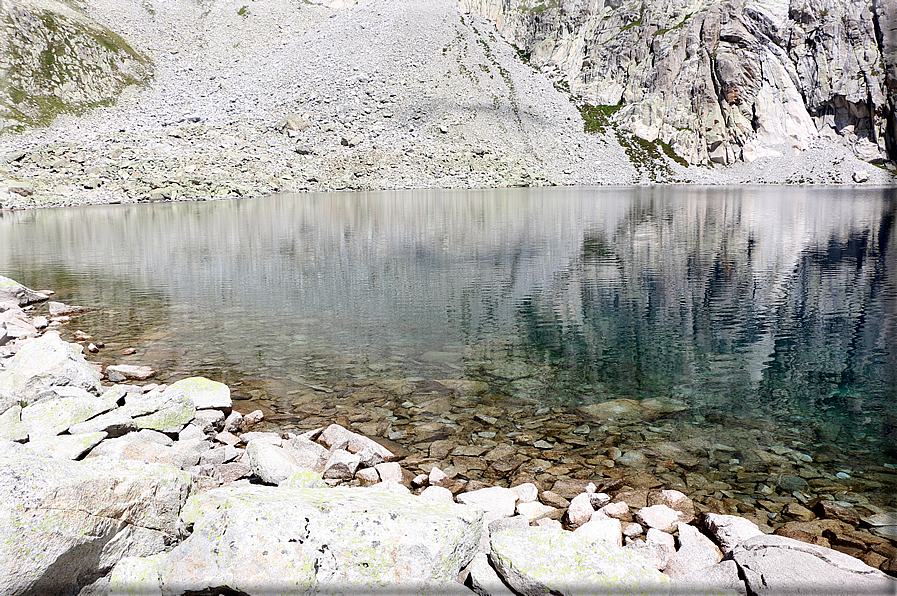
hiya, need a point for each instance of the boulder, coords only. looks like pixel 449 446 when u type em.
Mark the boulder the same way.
pixel 547 561
pixel 12 293
pixel 58 309
pixel 602 528
pixel 68 523
pixel 206 394
pixel 45 362
pixel 272 464
pixel 773 564
pixel 308 454
pixel 495 501
pixel 484 580
pixel 259 540
pixel 138 447
pixel 66 446
pixel 341 465
pixel 168 411
pixel 11 427
pixel 696 551
pixel 657 548
pixel 580 510
pixel 137 575
pixel 658 516
pixel 58 408
pixel 730 530
pixel 721 576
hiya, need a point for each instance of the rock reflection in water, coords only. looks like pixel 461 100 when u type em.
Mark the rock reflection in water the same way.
pixel 495 318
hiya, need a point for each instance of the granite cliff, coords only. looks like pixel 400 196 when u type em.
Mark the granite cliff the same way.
pixel 721 81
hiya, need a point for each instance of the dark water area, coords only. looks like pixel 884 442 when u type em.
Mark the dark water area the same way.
pixel 767 317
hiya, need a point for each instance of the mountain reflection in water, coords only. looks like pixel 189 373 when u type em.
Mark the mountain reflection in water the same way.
pixel 764 308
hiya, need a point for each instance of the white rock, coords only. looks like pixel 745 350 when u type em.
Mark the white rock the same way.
pixel 341 465
pixel 367 476
pixel 660 517
pixel 66 446
pixel 580 510
pixel 657 548
pixel 206 394
pixel 437 493
pixel 271 463
pixel 437 477
pixel 696 551
pixel 137 575
pixel 526 492
pixel 390 471
pixel 61 407
pixel 495 500
pixel 730 530
pixel 308 454
pixel 618 510
pixel 534 510
pixel 485 580
pixel 607 529
pixel 336 540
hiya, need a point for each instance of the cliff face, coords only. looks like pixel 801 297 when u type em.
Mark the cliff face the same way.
pixel 55 59
pixel 721 81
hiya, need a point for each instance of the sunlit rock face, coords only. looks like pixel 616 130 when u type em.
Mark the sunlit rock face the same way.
pixel 55 59
pixel 719 81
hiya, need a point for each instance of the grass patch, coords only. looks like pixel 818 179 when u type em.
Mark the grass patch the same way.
pixel 244 11
pixel 597 118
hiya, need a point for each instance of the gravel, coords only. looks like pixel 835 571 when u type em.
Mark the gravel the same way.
pixel 288 95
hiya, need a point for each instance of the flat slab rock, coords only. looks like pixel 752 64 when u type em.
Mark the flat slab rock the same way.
pixel 773 565
pixel 264 540
pixel 536 561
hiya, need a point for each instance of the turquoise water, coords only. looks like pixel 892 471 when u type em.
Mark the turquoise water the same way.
pixel 761 307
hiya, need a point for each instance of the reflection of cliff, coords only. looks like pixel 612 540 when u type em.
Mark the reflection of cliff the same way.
pixel 759 297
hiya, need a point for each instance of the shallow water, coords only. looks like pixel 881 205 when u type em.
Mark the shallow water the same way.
pixel 769 312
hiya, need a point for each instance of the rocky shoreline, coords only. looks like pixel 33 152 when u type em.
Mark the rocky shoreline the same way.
pixel 135 487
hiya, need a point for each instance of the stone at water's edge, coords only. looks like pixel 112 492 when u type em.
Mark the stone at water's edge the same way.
pixel 60 409
pixel 264 540
pixel 64 524
pixel 535 561
pixel 12 293
pixel 166 412
pixel 206 393
pixel 773 565
pixel 40 364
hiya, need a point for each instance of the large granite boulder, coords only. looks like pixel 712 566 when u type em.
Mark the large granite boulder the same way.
pixel 263 540
pixel 773 564
pixel 43 363
pixel 12 293
pixel 64 523
pixel 205 393
pixel 548 561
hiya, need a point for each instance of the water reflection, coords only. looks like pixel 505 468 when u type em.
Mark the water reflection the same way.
pixel 748 304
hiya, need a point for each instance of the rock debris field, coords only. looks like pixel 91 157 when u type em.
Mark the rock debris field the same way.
pixel 248 100
pixel 131 487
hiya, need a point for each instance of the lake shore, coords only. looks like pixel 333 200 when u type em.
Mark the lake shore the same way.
pixel 611 506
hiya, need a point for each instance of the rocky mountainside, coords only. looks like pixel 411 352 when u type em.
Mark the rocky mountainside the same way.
pixel 297 95
pixel 54 58
pixel 721 81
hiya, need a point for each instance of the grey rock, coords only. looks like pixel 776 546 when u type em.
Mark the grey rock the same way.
pixel 58 309
pixel 12 293
pixel 341 465
pixel 167 412
pixel 271 463
pixel 58 408
pixel 234 422
pixel 343 540
pixel 137 575
pixel 118 373
pixel 208 421
pixel 73 520
pixel 658 516
pixel 729 530
pixel 309 454
pixel 696 551
pixel 43 363
pixel 602 528
pixel 778 565
pixel 539 561
pixel 205 393
pixel 66 446
pixel 484 580
pixel 11 427
pixel 657 548
pixel 495 501
pixel 722 576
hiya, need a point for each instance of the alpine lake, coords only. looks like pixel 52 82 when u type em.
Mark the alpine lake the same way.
pixel 736 343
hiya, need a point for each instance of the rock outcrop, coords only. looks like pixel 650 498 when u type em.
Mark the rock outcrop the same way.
pixel 55 59
pixel 720 81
